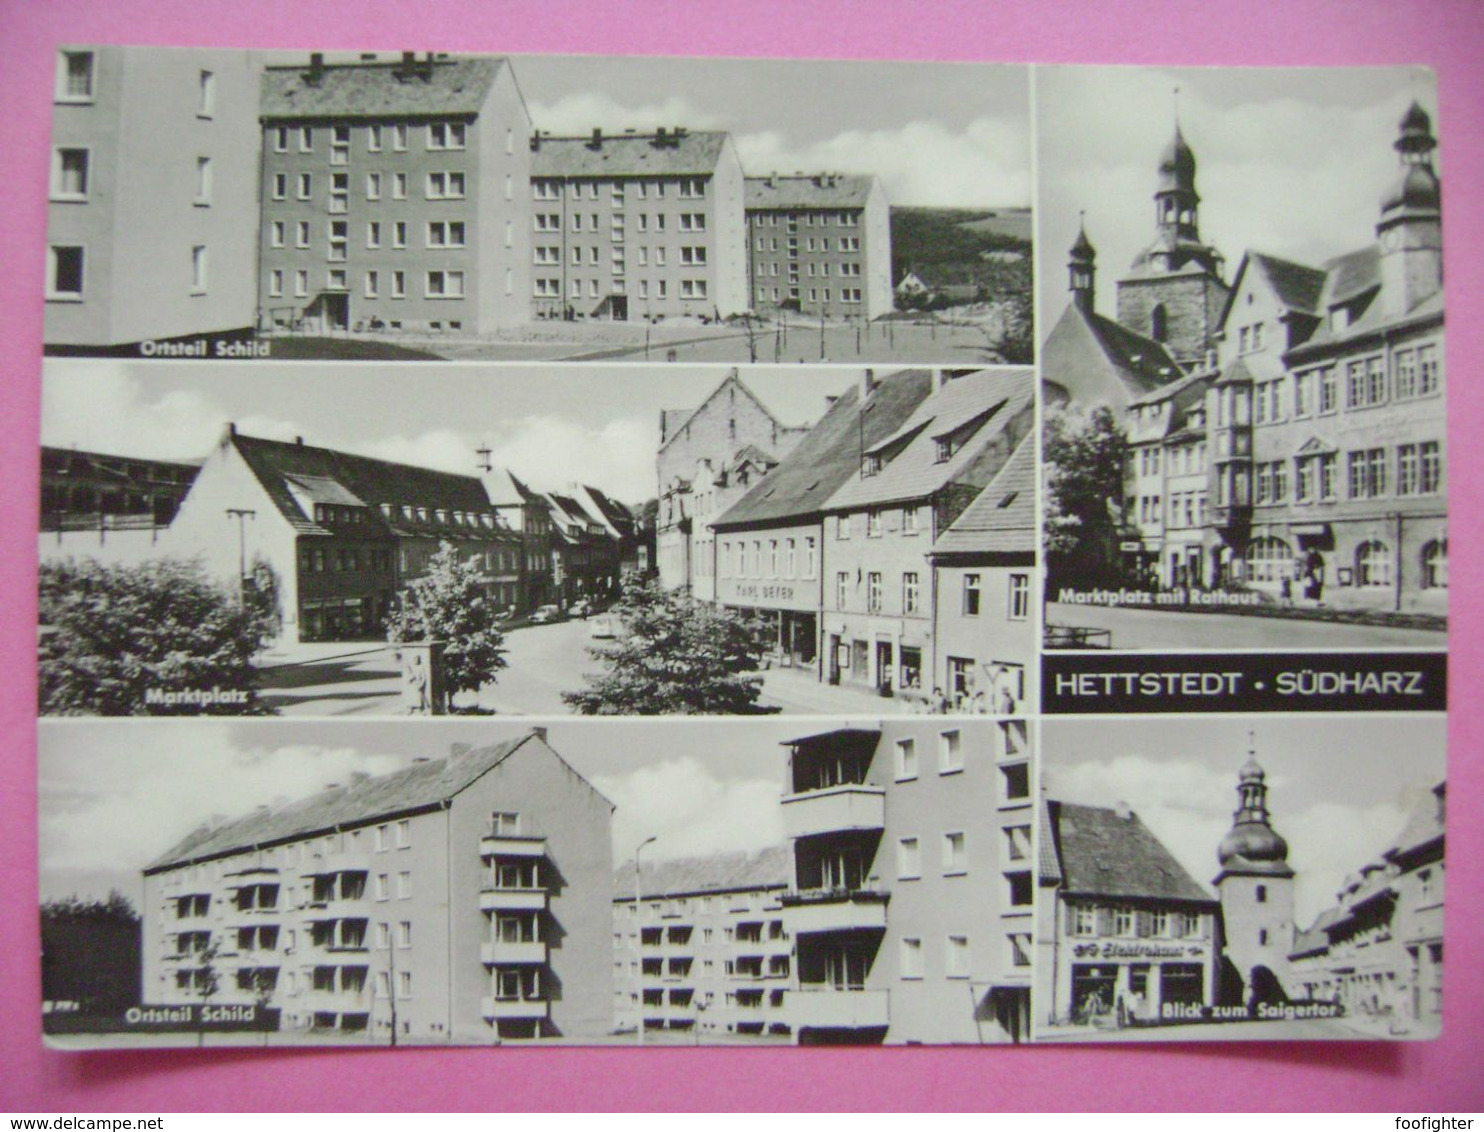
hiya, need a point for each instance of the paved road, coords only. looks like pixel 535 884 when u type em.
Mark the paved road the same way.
pixel 542 662
pixel 1148 629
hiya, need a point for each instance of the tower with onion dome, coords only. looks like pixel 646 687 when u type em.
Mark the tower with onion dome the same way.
pixel 1411 227
pixel 1255 886
pixel 1175 290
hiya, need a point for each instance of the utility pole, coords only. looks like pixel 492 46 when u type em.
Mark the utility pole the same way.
pixel 391 978
pixel 240 513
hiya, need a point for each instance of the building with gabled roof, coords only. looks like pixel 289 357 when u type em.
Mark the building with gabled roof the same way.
pixel 630 226
pixel 769 544
pixel 986 654
pixel 879 527
pixel 394 195
pixel 1123 930
pixel 465 899
pixel 708 458
pixel 819 244
pixel 341 533
pixel 95 491
pixel 703 950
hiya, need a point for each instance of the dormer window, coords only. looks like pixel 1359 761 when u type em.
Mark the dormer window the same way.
pixel 946 449
pixel 871 465
pixel 386 510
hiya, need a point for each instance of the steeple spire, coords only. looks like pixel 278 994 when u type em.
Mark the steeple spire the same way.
pixel 1082 267
pixel 1252 845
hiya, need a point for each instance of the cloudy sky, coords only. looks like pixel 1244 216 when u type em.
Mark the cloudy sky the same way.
pixel 114 795
pixel 944 134
pixel 1339 789
pixel 550 425
pixel 1290 162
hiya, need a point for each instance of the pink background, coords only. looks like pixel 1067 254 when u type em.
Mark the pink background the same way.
pixel 1447 1074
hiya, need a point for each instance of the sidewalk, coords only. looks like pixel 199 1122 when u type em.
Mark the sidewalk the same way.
pixel 797 691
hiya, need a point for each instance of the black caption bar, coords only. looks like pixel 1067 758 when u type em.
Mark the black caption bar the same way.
pixel 1119 683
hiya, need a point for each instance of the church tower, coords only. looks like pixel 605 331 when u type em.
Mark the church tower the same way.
pixel 1411 227
pixel 1255 887
pixel 1082 272
pixel 1175 291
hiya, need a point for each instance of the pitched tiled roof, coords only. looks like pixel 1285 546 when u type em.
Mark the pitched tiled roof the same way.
pixel 830 454
pixel 618 517
pixel 718 872
pixel 417 787
pixel 276 463
pixel 1102 853
pixel 505 490
pixel 1002 519
pixel 379 90
pixel 1424 824
pixel 1297 285
pixel 1096 360
pixel 993 396
pixel 673 421
pixel 1173 389
pixel 823 190
pixel 628 155
pixel 1352 274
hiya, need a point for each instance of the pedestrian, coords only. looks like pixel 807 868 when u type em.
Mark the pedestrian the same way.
pixel 940 702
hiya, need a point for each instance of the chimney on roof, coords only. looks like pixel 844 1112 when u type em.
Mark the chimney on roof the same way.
pixel 535 140
pixel 868 383
pixel 597 142
pixel 539 733
pixel 299 440
pixel 661 138
pixel 829 401
pixel 484 453
pixel 678 132
pixel 316 70
pixel 231 428
pixel 1124 811
pixel 771 179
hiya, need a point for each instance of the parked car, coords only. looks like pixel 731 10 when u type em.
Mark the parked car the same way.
pixel 603 629
pixel 580 608
pixel 546 613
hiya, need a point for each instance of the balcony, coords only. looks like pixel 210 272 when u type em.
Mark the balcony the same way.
pixel 835 809
pixel 512 845
pixel 512 900
pixel 835 910
pixel 512 1009
pixel 503 953
pixel 828 1008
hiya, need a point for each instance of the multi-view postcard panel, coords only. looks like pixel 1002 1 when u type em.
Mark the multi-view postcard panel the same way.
pixel 743 413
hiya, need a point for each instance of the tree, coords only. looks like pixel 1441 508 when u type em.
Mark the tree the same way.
pixel 676 656
pixel 158 638
pixel 90 952
pixel 1084 457
pixel 450 603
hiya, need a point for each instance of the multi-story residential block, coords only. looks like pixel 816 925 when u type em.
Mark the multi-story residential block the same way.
pixel 703 951
pixel 1122 929
pixel 90 490
pixel 911 911
pixel 709 457
pixel 1378 951
pixel 769 546
pixel 629 226
pixel 394 195
pixel 819 244
pixel 464 899
pixel 342 533
pixel 879 529
pixel 150 222
pixel 987 586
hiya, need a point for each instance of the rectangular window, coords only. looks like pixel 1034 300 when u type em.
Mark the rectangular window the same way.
pixel 841 581
pixel 373 284
pixel 373 139
pixel 399 284
pixel 275 284
pixel 909 859
pixel 404 886
pixel 971 595
pixel 306 186
pixel 911 956
pixel 1329 395
pixel 75 76
pixel 445 234
pixel 909 593
pixel 1431 457
pixel 445 186
pixel 1429 372
pixel 446 135
pixel 955 854
pixel 906 759
pixel 950 752
pixel 70 174
pixel 373 234
pixel 373 186
pixel 280 186
pixel 399 233
pixel 198 269
pixel 873 592
pixel 301 234
pixel 445 285
pixel 301 283
pixel 956 959
pixel 1020 597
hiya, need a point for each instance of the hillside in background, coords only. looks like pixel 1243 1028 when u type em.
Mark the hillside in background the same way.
pixel 962 246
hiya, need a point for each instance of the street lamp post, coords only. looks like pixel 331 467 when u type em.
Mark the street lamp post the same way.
pixel 639 941
pixel 240 514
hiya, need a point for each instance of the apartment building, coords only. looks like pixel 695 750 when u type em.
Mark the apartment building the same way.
pixel 819 244
pixel 1378 950
pixel 986 586
pixel 631 225
pixel 92 490
pixel 457 900
pixel 709 457
pixel 1122 929
pixel 394 195
pixel 911 909
pixel 880 526
pixel 151 214
pixel 703 952
pixel 770 545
